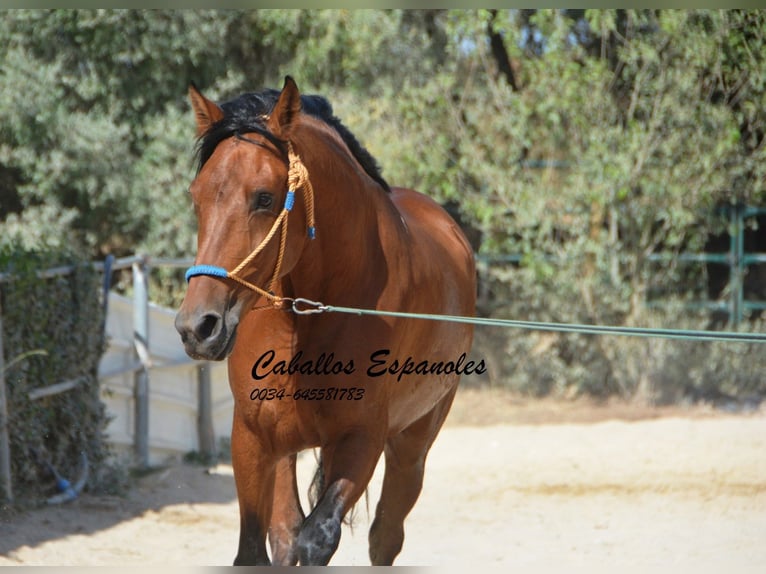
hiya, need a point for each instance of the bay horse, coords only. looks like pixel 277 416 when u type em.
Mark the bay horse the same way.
pixel 327 380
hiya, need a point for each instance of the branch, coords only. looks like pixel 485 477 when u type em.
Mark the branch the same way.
pixel 497 45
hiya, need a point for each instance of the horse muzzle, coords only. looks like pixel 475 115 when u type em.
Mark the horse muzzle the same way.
pixel 207 335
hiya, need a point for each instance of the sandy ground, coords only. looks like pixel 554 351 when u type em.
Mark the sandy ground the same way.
pixel 509 483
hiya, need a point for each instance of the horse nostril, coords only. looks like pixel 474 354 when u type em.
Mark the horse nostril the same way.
pixel 207 326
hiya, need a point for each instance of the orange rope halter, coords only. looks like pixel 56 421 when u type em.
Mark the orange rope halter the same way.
pixel 297 179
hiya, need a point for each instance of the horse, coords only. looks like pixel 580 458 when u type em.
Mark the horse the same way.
pixel 355 387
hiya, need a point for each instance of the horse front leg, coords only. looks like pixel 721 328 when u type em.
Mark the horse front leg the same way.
pixel 287 515
pixel 348 467
pixel 254 476
pixel 405 454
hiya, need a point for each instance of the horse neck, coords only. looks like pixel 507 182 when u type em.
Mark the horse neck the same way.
pixel 345 263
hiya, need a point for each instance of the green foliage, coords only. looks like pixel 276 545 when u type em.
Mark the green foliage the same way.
pixel 584 140
pixel 650 370
pixel 53 329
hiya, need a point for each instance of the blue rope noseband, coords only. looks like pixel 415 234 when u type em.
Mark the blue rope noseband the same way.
pixel 210 270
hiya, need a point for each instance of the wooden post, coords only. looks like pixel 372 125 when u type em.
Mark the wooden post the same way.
pixel 205 431
pixel 141 376
pixel 5 443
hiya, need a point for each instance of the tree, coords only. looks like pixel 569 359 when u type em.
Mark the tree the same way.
pixel 82 88
pixel 94 149
pixel 608 146
pixel 616 104
pixel 583 140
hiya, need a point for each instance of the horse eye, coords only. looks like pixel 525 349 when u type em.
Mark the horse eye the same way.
pixel 264 200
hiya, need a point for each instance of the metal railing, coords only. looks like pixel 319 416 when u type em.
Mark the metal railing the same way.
pixel 737 259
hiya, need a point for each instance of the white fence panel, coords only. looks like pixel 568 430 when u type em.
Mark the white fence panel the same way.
pixel 173 386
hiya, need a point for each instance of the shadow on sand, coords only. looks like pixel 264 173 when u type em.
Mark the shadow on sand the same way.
pixel 177 483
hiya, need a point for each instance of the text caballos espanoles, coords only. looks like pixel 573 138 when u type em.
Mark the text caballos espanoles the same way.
pixel 380 363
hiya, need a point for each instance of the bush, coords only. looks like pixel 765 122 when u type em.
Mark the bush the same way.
pixel 649 370
pixel 53 327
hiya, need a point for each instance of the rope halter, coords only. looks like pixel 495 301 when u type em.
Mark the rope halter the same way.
pixel 297 179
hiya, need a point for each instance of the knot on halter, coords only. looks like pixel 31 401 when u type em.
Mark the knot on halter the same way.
pixel 297 179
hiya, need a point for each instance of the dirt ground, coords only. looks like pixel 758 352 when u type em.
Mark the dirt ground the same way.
pixel 509 483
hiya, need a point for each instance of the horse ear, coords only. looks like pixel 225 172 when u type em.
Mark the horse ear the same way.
pixel 206 112
pixel 286 109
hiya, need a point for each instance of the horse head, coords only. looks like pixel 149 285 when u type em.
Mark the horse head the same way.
pixel 244 194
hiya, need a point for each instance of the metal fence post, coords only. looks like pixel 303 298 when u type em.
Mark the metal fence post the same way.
pixel 736 262
pixel 5 443
pixel 141 377
pixel 205 431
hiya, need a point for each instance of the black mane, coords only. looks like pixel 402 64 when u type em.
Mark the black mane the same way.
pixel 247 114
